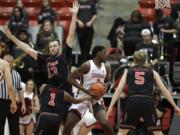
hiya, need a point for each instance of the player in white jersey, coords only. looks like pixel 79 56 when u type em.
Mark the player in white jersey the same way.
pixel 90 72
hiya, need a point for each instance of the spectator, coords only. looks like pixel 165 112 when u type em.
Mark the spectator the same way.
pixel 175 13
pixel 19 3
pixel 3 48
pixel 167 29
pixel 117 31
pixel 85 20
pixel 158 23
pixel 150 48
pixel 46 32
pixel 26 66
pixel 46 12
pixel 17 21
pixel 23 35
pixel 28 120
pixel 114 54
pixel 58 60
pixel 132 31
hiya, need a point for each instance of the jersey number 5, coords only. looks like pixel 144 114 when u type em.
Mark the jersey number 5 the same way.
pixel 139 78
pixel 52 98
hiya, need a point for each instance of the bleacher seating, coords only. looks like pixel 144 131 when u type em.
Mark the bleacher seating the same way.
pixel 37 3
pixel 32 8
pixel 64 13
pixel 151 3
pixel 147 3
pixel 147 8
pixel 149 13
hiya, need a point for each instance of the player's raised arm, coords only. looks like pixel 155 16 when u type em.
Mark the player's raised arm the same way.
pixel 23 46
pixel 71 34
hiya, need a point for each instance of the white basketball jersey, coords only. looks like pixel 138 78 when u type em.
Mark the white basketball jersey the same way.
pixel 94 75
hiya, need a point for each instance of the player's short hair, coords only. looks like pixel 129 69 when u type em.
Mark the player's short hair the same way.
pixel 56 80
pixel 52 40
pixel 97 49
pixel 140 57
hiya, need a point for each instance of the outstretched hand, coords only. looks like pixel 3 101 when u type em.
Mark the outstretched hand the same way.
pixel 75 7
pixel 177 110
pixel 8 33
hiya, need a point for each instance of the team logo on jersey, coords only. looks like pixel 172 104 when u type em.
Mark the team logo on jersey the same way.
pixel 97 75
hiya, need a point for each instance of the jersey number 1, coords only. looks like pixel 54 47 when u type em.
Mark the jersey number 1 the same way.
pixel 52 98
pixel 139 78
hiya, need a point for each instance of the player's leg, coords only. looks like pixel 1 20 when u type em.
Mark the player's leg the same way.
pixel 130 116
pixel 48 123
pixel 99 113
pixel 123 131
pixel 65 111
pixel 61 128
pixel 87 124
pixel 72 119
pixel 149 117
pixel 77 128
pixel 85 130
pixel 75 114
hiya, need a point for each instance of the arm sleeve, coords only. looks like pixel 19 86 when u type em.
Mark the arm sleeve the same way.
pixel 41 58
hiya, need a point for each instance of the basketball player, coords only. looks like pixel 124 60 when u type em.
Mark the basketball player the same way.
pixel 52 99
pixel 5 72
pixel 140 80
pixel 57 61
pixel 90 72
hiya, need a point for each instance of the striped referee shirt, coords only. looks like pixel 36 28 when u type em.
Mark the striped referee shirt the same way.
pixel 16 78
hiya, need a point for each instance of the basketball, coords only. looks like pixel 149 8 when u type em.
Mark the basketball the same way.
pixel 98 89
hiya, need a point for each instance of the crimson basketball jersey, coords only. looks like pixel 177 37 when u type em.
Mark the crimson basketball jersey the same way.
pixel 140 80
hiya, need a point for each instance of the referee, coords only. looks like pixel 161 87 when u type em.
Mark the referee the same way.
pixel 13 119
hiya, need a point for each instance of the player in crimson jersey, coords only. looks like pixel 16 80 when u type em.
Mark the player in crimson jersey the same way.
pixel 140 80
pixel 52 99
